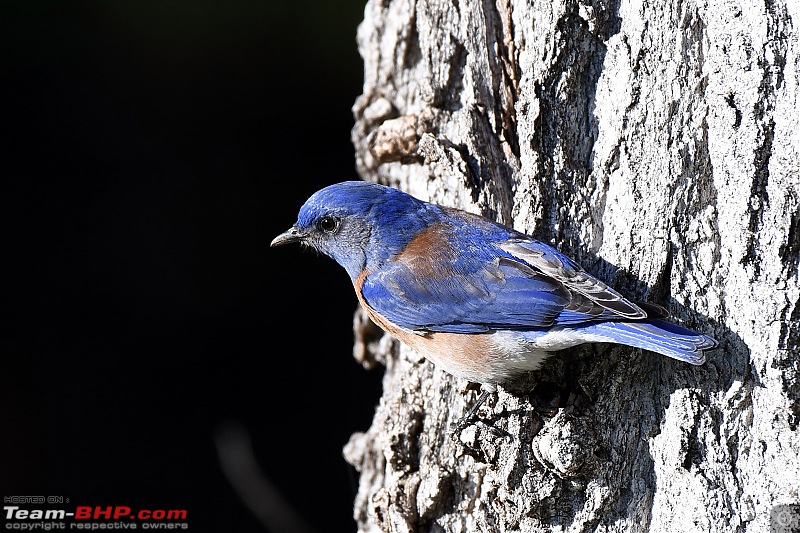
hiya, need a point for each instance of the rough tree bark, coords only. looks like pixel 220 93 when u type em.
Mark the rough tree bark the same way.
pixel 659 145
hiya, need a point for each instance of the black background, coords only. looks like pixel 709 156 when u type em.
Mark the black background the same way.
pixel 150 152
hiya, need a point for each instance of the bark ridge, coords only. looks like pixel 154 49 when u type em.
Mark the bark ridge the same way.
pixel 658 145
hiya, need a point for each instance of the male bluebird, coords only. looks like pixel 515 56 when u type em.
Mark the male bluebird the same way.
pixel 484 302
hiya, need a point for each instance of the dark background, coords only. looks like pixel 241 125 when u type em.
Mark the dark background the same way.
pixel 150 152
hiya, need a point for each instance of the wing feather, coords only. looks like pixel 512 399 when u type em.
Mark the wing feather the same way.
pixel 477 276
pixel 590 295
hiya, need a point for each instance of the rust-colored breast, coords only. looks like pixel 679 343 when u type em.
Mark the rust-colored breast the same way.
pixel 469 356
pixel 379 319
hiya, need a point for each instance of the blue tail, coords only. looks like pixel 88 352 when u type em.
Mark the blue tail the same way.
pixel 660 337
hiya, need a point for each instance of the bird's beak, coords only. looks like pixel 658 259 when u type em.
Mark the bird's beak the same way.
pixel 291 235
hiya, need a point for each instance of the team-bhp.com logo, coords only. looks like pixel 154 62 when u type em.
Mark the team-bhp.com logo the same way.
pixel 93 517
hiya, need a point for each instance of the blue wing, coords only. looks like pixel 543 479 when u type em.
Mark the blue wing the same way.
pixel 469 275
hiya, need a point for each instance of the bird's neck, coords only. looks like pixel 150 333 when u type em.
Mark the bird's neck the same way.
pixel 397 228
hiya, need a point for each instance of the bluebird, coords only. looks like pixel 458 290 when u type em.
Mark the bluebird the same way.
pixel 482 301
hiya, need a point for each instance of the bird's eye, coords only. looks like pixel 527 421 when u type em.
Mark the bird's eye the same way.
pixel 328 224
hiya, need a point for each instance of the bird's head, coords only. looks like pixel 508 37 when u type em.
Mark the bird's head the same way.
pixel 359 224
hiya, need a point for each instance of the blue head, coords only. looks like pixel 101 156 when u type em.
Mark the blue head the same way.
pixel 359 224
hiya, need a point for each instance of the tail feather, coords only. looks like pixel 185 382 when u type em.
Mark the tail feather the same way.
pixel 661 337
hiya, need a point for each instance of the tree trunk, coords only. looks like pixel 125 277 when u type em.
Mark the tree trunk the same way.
pixel 659 145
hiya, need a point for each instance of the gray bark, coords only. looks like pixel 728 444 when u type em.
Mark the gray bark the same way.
pixel 659 145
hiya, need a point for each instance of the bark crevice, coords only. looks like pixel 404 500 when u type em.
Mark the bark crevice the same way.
pixel 657 145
